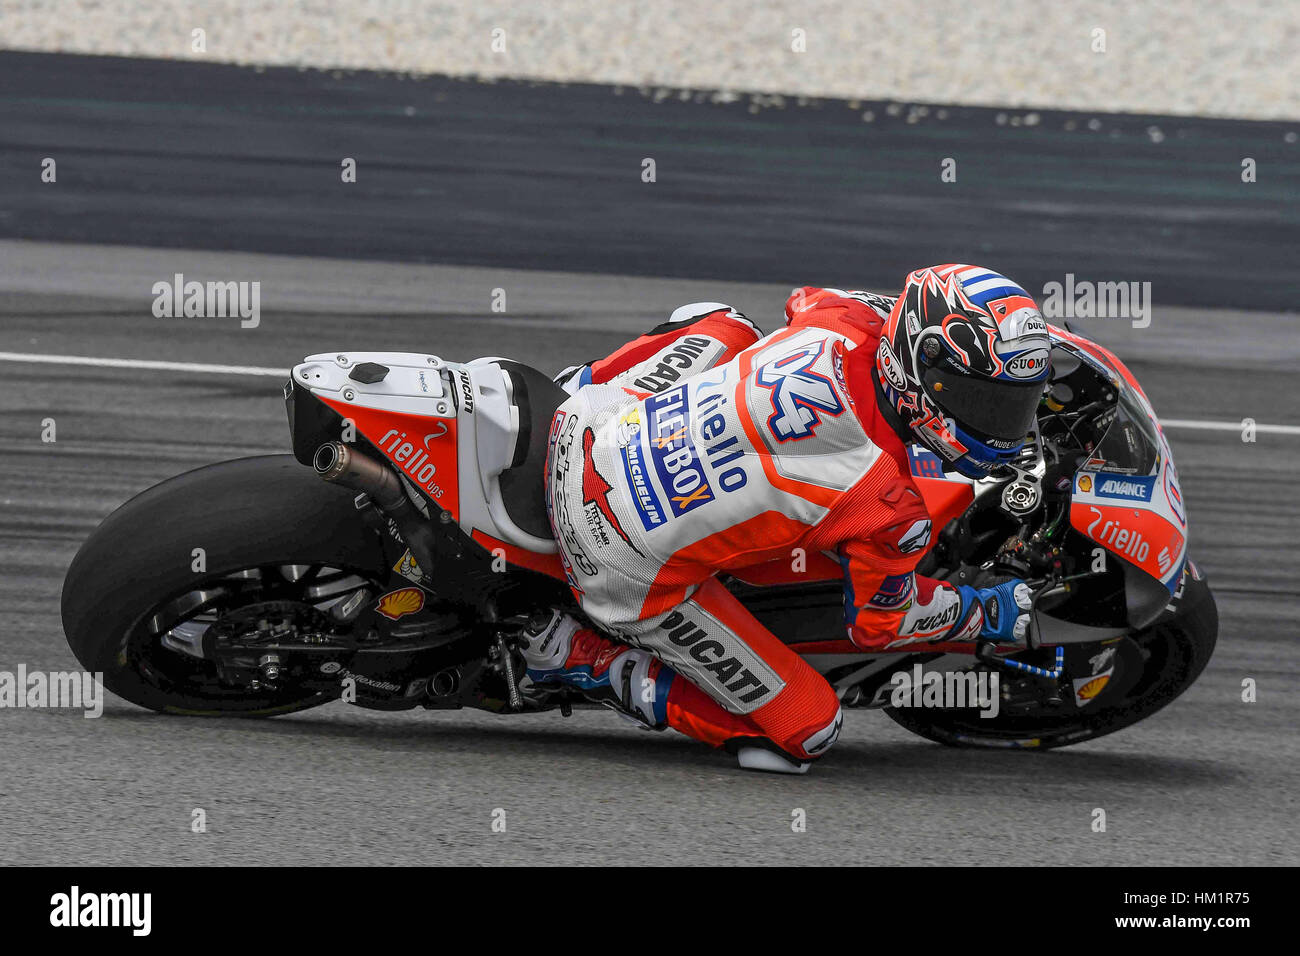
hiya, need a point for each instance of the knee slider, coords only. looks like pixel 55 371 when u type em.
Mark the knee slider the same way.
pixel 692 311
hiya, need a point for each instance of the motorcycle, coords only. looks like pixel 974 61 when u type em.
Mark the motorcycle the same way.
pixel 393 559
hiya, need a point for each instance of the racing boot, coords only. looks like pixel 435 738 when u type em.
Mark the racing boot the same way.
pixel 560 652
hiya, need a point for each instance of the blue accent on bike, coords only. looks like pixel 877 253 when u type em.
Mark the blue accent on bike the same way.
pixel 1055 672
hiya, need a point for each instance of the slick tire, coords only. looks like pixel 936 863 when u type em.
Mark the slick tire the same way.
pixel 251 512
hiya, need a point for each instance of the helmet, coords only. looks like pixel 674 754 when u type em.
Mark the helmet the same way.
pixel 961 366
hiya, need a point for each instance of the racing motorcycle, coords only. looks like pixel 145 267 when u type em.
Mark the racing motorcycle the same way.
pixel 394 558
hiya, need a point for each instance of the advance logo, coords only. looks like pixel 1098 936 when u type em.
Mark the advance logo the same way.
pixel 77 909
pixel 1129 487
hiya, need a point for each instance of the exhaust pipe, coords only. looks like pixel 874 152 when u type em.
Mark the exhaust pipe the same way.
pixel 445 682
pixel 338 464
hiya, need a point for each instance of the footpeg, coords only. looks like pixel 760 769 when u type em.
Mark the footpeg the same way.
pixel 508 666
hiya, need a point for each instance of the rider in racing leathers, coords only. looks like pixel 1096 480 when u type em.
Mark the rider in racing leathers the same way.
pixel 703 447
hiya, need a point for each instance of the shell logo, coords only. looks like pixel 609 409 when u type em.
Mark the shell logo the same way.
pixel 1094 687
pixel 399 603
pixel 1085 483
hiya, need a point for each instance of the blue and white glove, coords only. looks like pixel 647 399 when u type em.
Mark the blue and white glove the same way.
pixel 1006 610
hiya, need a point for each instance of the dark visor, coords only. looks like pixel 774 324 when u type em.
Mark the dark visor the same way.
pixel 1002 410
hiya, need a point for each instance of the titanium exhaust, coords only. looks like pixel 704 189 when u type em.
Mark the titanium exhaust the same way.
pixel 338 464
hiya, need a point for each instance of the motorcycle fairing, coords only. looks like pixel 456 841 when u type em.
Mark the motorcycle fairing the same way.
pixel 422 447
pixel 1126 495
pixel 1128 499
pixel 450 429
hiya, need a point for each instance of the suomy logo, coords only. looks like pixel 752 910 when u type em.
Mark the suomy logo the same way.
pixel 1030 365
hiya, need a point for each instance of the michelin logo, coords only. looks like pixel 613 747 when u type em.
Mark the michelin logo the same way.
pixel 649 509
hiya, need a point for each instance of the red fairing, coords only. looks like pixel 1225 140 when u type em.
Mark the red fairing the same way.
pixel 423 448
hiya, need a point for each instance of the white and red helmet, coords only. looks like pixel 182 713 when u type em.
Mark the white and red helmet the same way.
pixel 962 363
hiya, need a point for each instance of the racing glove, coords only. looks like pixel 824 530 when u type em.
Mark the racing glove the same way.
pixel 1005 608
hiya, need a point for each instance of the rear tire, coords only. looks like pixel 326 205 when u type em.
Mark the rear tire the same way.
pixel 245 513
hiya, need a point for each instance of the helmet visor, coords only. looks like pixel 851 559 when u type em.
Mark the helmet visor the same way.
pixel 996 409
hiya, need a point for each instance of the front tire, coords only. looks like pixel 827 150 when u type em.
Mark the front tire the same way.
pixel 252 513
pixel 1176 651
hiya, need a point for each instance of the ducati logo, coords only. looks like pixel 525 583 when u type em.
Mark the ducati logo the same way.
pixel 675 364
pixel 467 392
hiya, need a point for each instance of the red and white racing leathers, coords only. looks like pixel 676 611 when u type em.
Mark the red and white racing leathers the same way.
pixel 702 447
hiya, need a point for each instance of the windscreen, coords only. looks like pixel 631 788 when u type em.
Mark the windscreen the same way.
pixel 1130 445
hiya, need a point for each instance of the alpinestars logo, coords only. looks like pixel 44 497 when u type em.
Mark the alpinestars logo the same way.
pixel 822 739
pixel 916 537
pixel 799 396
pixel 595 491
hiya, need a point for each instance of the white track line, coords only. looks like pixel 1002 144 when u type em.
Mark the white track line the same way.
pixel 143 363
pixel 1194 424
pixel 1228 426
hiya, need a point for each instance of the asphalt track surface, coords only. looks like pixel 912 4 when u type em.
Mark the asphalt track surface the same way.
pixel 549 176
pixel 1209 780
